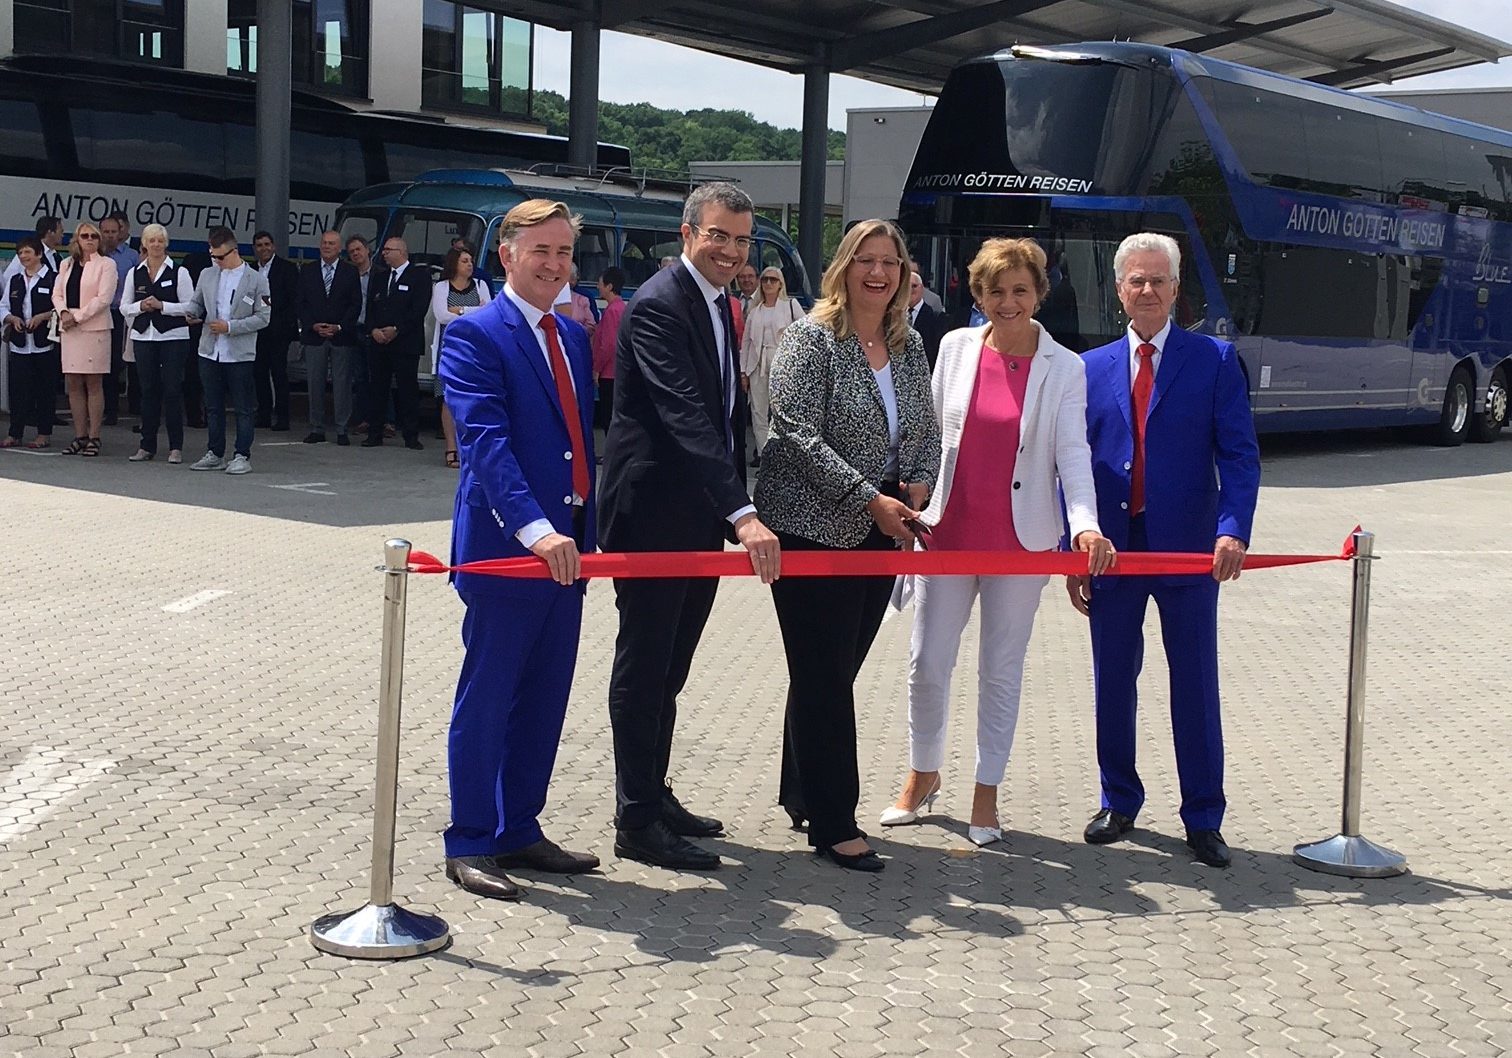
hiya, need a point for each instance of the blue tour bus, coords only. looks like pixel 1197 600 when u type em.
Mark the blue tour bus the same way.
pixel 1357 252
pixel 629 220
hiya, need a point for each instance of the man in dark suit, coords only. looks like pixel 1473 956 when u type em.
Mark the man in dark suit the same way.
pixel 674 480
pixel 519 381
pixel 330 298
pixel 398 298
pixel 1177 468
pixel 923 317
pixel 272 367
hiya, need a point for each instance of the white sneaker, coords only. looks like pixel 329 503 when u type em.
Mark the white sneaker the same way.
pixel 239 465
pixel 209 461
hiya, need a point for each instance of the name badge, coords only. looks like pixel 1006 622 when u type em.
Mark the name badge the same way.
pixel 247 300
pixel 166 284
pixel 403 289
pixel 44 290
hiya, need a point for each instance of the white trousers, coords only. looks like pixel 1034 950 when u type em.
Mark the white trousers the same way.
pixel 760 394
pixel 942 606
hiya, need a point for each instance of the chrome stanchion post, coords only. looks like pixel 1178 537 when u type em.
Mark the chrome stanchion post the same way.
pixel 1348 853
pixel 382 929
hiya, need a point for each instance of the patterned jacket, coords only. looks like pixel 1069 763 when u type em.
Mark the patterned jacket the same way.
pixel 827 449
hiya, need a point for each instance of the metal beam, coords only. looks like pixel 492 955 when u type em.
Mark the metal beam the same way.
pixel 1242 31
pixel 615 13
pixel 275 77
pixel 583 96
pixel 1420 26
pixel 1165 15
pixel 882 43
pixel 1372 71
pixel 811 169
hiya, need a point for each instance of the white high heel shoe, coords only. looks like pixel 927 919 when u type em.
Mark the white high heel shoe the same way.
pixel 897 817
pixel 980 836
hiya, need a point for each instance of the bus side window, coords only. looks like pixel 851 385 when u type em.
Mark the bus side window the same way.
pixel 595 248
pixel 643 252
pixel 773 256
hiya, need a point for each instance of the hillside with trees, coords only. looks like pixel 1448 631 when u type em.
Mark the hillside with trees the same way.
pixel 671 139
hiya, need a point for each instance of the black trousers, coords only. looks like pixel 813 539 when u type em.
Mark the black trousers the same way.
pixel 270 371
pixel 193 388
pixel 603 404
pixel 33 392
pixel 828 625
pixel 660 624
pixel 386 366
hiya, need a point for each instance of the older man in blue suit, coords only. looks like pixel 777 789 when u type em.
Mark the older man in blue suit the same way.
pixel 1177 468
pixel 519 381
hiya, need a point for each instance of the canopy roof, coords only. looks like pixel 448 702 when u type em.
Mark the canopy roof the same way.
pixel 914 44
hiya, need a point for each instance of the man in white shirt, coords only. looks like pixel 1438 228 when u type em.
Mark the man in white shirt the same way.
pixel 233 301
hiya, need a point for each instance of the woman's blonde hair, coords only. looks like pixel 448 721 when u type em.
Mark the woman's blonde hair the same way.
pixel 149 231
pixel 1004 255
pixel 773 270
pixel 833 309
pixel 75 250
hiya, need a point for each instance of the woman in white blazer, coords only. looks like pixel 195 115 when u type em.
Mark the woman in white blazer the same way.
pixel 459 293
pixel 1012 405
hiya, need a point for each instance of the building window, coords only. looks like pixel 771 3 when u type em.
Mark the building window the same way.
pixel 330 44
pixel 474 59
pixel 135 30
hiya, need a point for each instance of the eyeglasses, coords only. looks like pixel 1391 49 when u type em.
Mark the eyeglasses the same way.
pixel 724 238
pixel 867 263
pixel 770 279
pixel 88 235
pixel 1155 283
pixel 391 249
pixel 220 256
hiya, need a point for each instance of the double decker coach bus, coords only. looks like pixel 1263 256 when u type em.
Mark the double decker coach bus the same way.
pixel 80 140
pixel 1357 252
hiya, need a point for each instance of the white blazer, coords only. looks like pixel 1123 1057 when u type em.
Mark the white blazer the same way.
pixel 1052 437
pixel 444 315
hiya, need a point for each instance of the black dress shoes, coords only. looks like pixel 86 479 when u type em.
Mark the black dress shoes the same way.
pixel 315 437
pixel 684 823
pixel 1209 848
pixel 546 855
pixel 413 444
pixel 483 876
pixel 660 847
pixel 867 861
pixel 372 442
pixel 1107 827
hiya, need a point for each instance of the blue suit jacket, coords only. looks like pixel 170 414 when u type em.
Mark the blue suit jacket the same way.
pixel 512 439
pixel 1202 464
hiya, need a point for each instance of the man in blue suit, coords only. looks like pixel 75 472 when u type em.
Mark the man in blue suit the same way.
pixel 519 382
pixel 1177 469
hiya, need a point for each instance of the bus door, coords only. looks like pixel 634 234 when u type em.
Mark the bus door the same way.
pixel 1428 318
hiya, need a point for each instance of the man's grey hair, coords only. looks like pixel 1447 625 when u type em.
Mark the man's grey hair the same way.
pixel 1147 241
pixel 727 195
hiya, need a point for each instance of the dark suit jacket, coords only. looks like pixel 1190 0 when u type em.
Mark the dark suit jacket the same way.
pixel 405 308
pixel 513 440
pixel 340 306
pixel 283 289
pixel 1202 465
pixel 931 326
pixel 669 481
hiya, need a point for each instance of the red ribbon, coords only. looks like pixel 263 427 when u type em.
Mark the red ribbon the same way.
pixel 863 563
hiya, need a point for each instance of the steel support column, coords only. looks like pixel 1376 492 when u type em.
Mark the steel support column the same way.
pixel 582 96
pixel 275 34
pixel 812 170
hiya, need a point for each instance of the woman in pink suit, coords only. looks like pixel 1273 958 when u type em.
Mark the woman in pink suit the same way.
pixel 82 296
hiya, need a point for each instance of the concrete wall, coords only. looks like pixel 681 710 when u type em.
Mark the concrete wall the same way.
pixel 7 29
pixel 773 185
pixel 205 36
pixel 879 150
pixel 1488 106
pixel 394 66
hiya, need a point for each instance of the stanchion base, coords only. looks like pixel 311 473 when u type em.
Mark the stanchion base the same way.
pixel 385 931
pixel 1352 857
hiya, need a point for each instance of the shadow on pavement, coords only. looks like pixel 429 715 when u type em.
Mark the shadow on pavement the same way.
pixel 1373 457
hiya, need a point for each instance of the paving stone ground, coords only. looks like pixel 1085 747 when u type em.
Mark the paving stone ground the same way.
pixel 182 793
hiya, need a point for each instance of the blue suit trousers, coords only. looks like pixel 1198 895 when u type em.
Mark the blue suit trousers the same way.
pixel 1188 608
pixel 507 721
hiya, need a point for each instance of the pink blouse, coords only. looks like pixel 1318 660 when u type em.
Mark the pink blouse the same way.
pixel 979 514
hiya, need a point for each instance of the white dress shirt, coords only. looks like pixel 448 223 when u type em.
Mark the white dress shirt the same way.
pixel 1135 341
pixel 225 298
pixel 531 533
pixel 711 294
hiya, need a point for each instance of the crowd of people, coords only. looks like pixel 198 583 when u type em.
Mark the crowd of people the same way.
pixel 878 428
pixel 191 337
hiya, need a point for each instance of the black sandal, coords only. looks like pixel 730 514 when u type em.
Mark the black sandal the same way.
pixel 451 459
pixel 76 446
pixel 91 447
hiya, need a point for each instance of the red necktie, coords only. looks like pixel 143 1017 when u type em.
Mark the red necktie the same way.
pixel 568 400
pixel 1144 385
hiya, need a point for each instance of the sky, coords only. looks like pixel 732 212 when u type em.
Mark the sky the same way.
pixel 638 69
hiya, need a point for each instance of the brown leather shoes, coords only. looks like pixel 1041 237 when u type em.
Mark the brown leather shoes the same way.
pixel 483 876
pixel 546 855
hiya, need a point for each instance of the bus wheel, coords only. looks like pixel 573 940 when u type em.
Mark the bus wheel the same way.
pixel 1485 426
pixel 1459 405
